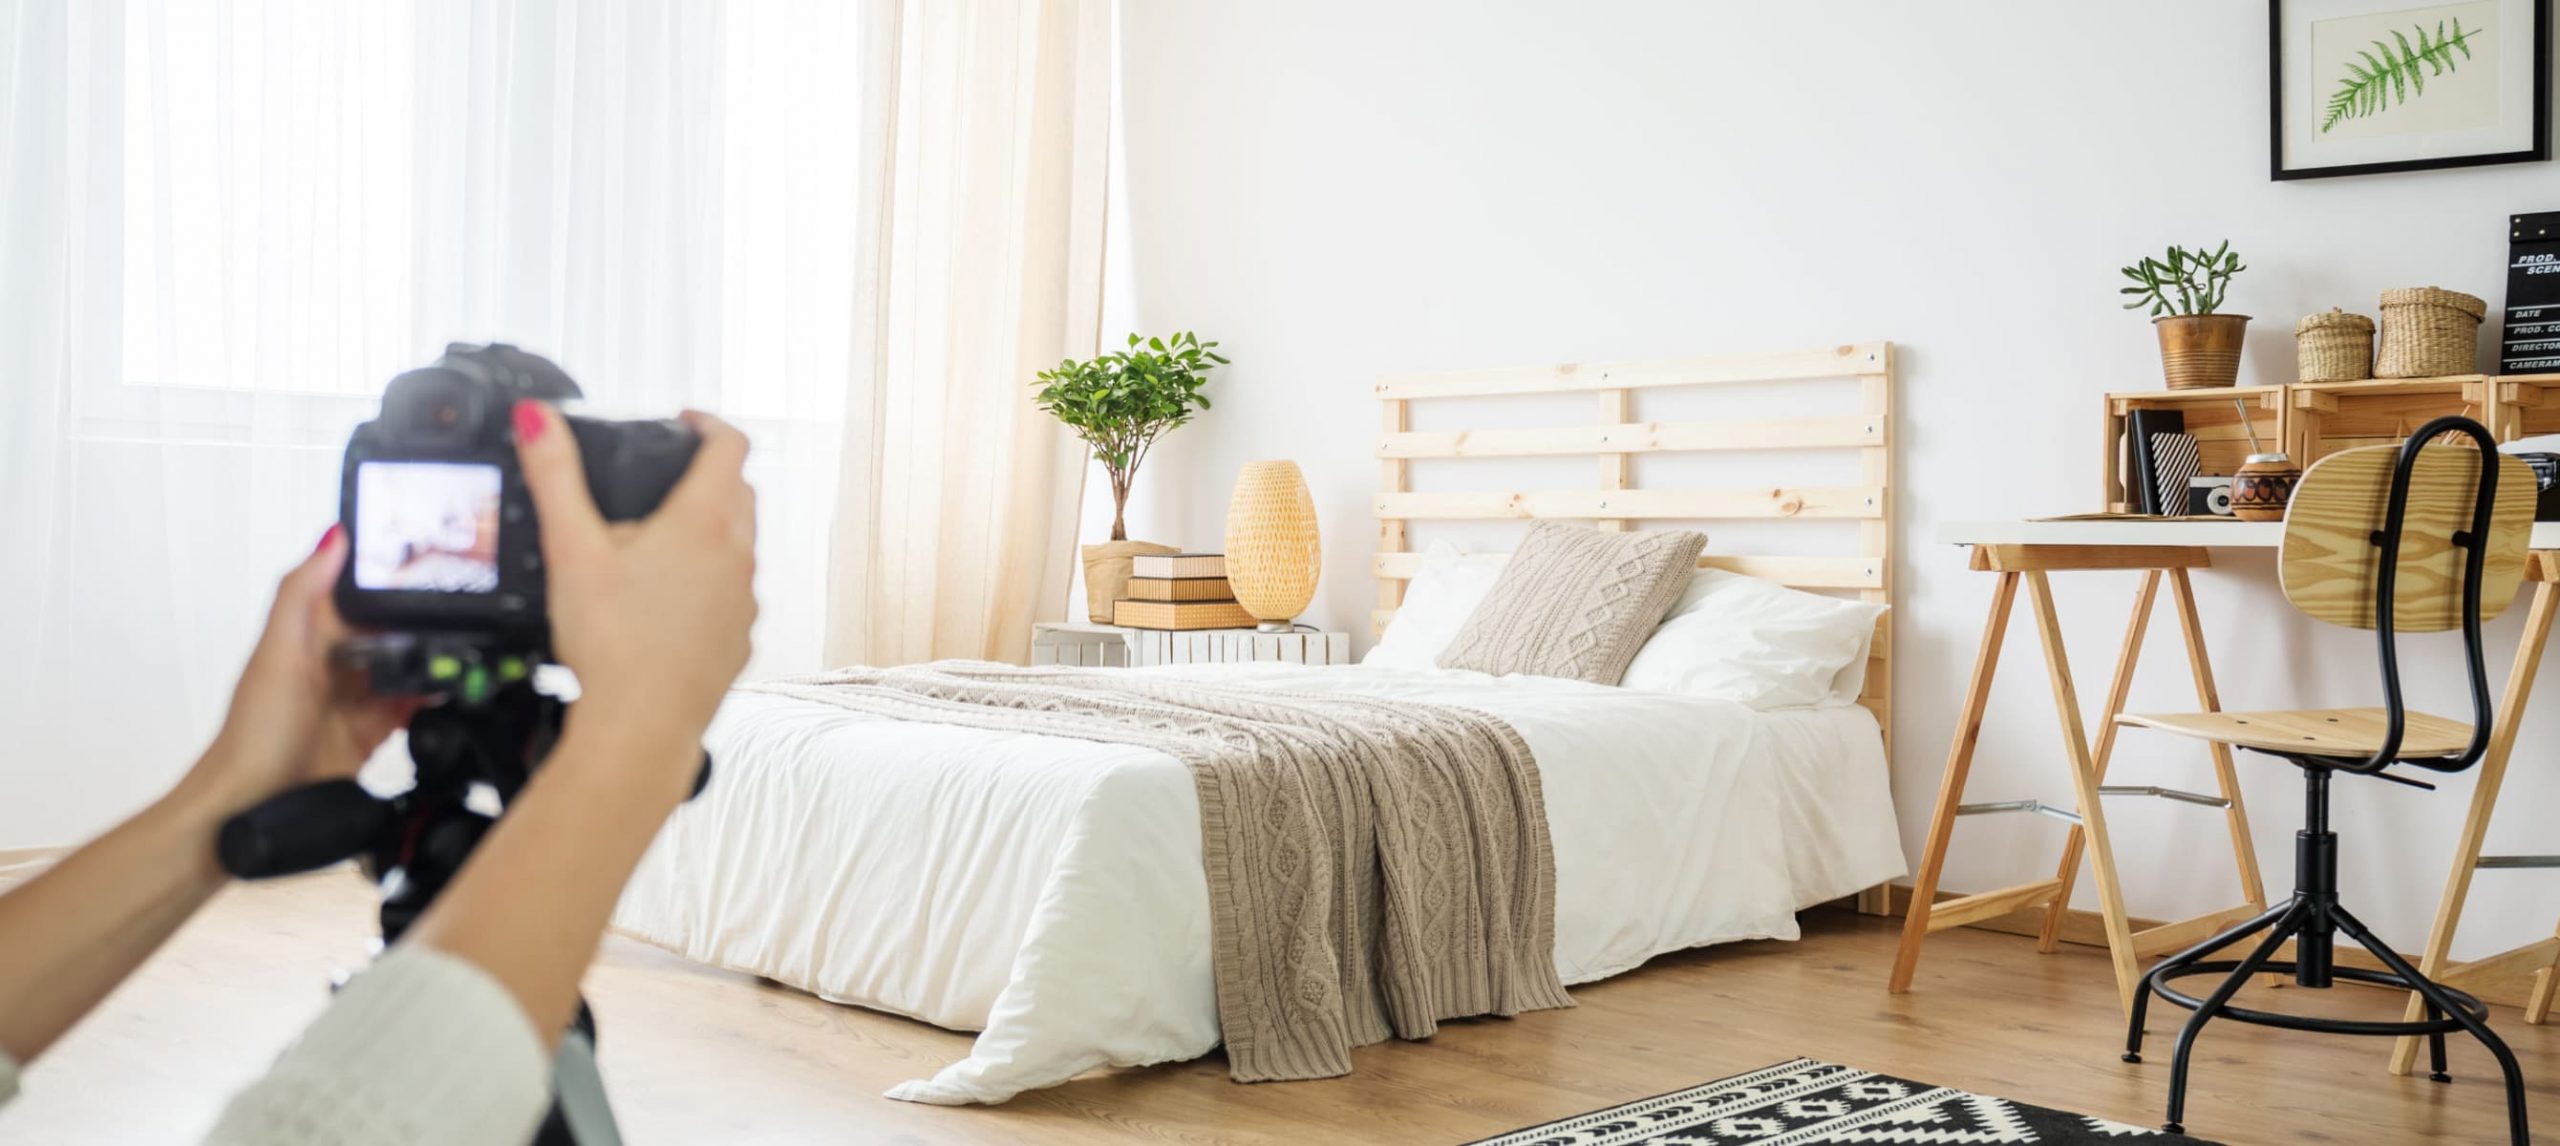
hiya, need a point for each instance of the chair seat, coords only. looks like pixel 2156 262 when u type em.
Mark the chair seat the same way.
pixel 2340 732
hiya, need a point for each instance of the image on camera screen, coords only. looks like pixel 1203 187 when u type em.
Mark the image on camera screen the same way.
pixel 426 527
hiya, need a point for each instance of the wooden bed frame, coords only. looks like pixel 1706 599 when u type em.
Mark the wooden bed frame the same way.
pixel 1614 502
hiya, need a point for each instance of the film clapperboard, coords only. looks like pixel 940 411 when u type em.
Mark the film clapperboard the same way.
pixel 2532 342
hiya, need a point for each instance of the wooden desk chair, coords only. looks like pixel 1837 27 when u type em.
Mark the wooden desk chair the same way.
pixel 2416 538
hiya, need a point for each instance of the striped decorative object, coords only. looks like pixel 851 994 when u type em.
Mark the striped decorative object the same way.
pixel 2174 462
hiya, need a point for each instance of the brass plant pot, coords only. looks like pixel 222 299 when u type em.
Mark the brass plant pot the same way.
pixel 2200 351
pixel 1106 574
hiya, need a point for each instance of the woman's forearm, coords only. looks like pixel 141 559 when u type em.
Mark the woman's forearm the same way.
pixel 75 931
pixel 531 904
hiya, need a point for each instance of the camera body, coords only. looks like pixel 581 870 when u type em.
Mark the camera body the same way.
pixel 442 533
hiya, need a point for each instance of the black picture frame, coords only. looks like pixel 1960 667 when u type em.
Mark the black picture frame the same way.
pixel 2539 152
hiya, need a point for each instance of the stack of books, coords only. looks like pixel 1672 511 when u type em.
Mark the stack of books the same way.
pixel 1180 592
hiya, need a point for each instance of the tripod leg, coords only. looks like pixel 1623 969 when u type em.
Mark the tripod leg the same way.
pixel 2436 998
pixel 580 1115
pixel 2213 1004
pixel 2188 957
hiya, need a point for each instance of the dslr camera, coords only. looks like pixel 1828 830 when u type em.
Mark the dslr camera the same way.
pixel 442 532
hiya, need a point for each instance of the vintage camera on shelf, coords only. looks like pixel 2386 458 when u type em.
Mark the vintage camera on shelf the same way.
pixel 2546 484
pixel 2209 496
pixel 442 531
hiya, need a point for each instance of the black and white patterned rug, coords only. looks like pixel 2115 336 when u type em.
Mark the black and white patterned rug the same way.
pixel 1813 1103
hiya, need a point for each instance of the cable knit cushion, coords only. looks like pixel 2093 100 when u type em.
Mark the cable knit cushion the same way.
pixel 1576 602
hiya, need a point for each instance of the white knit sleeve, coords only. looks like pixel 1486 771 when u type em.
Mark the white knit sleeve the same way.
pixel 421 1048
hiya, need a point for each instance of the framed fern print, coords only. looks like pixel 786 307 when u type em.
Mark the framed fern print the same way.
pixel 2361 87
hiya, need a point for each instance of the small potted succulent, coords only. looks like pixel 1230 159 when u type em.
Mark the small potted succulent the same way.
pixel 1120 403
pixel 2199 345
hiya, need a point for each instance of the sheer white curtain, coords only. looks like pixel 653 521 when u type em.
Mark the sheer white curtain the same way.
pixel 983 202
pixel 224 226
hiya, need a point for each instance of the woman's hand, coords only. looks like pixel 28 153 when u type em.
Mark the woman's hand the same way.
pixel 652 614
pixel 77 929
pixel 653 617
pixel 292 720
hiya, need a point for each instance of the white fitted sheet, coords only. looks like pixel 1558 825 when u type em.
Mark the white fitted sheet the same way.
pixel 1048 892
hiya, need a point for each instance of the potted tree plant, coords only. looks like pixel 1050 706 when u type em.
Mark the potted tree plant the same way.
pixel 2199 345
pixel 1120 403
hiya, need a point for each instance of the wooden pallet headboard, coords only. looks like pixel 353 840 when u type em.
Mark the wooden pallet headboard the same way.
pixel 1614 502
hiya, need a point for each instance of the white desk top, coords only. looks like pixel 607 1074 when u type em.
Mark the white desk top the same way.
pixel 2218 534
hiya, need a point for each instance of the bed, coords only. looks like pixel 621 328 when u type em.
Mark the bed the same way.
pixel 1049 892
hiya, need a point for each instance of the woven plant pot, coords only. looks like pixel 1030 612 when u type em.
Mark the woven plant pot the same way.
pixel 2429 332
pixel 2200 351
pixel 2334 347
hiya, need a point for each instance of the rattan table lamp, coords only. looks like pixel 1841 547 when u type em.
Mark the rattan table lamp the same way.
pixel 1272 550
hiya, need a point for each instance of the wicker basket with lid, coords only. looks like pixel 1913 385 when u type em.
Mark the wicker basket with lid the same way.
pixel 2334 346
pixel 2429 332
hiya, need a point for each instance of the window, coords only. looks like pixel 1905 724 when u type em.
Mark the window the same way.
pixel 267 183
pixel 319 194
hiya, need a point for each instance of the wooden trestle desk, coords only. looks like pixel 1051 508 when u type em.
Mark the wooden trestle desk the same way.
pixel 2027 551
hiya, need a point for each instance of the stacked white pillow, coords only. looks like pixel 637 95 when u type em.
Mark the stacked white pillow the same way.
pixel 1444 592
pixel 1757 643
pixel 1730 637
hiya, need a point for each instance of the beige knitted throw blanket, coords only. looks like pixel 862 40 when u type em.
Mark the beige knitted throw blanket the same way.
pixel 1374 866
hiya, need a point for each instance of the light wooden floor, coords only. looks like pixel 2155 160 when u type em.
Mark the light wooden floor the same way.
pixel 696 1055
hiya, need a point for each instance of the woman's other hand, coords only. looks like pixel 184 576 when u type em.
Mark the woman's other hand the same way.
pixel 652 614
pixel 293 720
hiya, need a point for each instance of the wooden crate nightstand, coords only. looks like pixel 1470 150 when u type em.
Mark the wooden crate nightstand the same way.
pixel 1113 646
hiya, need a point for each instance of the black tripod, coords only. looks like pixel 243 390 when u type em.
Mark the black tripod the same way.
pixel 479 746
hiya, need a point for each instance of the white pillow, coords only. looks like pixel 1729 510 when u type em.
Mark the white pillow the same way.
pixel 1437 602
pixel 1761 644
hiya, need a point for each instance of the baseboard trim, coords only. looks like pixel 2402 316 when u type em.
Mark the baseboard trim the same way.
pixel 2086 929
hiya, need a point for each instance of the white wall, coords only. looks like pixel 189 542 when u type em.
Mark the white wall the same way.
pixel 1342 189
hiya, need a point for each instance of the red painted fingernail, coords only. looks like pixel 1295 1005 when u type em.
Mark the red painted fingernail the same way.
pixel 529 421
pixel 332 535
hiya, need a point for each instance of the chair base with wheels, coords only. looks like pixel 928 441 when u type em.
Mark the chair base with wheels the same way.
pixel 2464 515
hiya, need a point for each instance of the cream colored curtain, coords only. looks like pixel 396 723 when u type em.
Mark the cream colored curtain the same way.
pixel 985 152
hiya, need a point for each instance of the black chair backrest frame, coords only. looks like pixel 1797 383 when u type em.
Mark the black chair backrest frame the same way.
pixel 2474 542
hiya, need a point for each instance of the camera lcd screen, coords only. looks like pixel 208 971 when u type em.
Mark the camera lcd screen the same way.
pixel 426 527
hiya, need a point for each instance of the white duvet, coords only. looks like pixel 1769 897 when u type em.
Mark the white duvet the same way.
pixel 1048 892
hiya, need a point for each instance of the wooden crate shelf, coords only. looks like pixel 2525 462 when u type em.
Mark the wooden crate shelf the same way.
pixel 2333 416
pixel 2527 405
pixel 2211 418
pixel 2311 420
